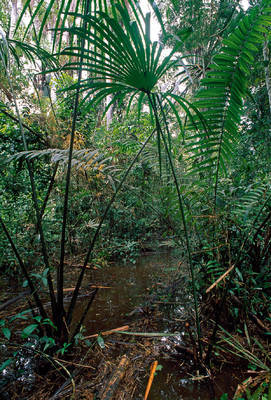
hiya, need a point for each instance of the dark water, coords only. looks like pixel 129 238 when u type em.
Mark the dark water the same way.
pixel 173 384
pixel 130 286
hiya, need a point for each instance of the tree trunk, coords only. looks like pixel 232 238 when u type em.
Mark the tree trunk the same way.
pixel 266 71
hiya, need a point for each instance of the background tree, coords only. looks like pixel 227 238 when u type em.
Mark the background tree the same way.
pixel 199 28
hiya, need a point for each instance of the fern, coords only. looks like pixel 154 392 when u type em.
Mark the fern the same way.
pixel 214 270
pixel 220 98
pixel 251 203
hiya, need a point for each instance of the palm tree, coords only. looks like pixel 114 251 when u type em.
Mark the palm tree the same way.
pixel 120 61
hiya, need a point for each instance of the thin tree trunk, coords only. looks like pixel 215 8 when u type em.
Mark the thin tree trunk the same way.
pixel 14 12
pixel 266 71
pixel 60 271
pixel 33 290
pixel 109 113
pixel 35 200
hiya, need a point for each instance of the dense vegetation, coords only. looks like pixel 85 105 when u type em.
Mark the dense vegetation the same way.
pixel 109 146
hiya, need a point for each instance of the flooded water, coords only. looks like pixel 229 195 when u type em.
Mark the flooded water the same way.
pixel 130 286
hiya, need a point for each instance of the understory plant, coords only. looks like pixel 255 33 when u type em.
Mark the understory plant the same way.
pixel 258 384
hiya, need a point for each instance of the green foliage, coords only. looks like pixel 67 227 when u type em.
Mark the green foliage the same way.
pixel 222 94
pixel 100 342
pixel 64 348
pixel 139 61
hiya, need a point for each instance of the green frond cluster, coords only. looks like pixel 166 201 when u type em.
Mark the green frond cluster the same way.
pixel 119 58
pixel 236 347
pixel 220 98
pixel 44 10
pixel 84 158
pixel 15 49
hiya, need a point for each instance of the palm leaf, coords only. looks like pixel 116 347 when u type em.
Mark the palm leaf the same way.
pixel 119 60
pixel 222 92
pixel 251 202
pixel 84 158
pixel 14 49
pixel 62 9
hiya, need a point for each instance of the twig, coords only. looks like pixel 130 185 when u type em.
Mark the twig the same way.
pixel 73 363
pixel 219 279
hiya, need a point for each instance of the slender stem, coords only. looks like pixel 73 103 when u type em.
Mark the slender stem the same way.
pixel 35 200
pixel 60 270
pixel 51 184
pixel 27 276
pixel 261 226
pixel 181 207
pixel 266 71
pixel 80 323
pixel 81 276
pixel 52 180
pixel 24 125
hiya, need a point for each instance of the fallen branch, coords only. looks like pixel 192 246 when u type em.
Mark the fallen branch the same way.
pixel 14 299
pixel 101 287
pixel 148 334
pixel 66 290
pixel 92 286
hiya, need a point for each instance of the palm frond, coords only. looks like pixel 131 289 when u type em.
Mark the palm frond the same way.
pixel 251 202
pixel 32 53
pixel 220 98
pixel 86 159
pixel 11 49
pixel 234 346
pixel 123 55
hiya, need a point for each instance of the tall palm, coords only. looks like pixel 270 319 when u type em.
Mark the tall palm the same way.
pixel 120 61
pixel 124 63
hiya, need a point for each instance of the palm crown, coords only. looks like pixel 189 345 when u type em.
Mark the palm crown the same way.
pixel 119 59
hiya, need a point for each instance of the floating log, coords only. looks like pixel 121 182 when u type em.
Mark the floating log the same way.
pixel 115 378
pixel 101 287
